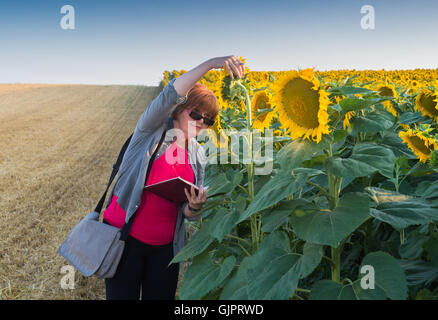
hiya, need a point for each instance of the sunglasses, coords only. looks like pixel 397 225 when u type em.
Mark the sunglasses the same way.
pixel 197 116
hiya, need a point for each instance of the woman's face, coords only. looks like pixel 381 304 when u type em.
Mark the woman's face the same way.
pixel 189 126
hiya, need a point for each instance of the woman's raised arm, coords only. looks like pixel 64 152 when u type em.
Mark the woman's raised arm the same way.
pixel 162 106
pixel 187 80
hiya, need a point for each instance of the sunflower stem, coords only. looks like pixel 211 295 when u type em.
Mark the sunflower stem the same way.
pixel 336 267
pixel 334 191
pixel 254 219
pixel 323 191
pixel 336 258
pixel 334 188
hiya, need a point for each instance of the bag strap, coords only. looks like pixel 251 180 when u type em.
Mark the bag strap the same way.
pixel 116 166
pixel 127 226
pixel 113 174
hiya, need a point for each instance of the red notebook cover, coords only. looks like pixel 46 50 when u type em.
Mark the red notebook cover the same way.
pixel 172 189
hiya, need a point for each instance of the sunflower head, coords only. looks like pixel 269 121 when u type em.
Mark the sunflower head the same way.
pixel 261 100
pixel 420 145
pixel 386 89
pixel 414 84
pixel 427 103
pixel 277 133
pixel 301 104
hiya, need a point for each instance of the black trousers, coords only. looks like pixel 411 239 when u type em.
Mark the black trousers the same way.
pixel 143 269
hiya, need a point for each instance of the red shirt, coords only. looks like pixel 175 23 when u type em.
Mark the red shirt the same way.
pixel 155 219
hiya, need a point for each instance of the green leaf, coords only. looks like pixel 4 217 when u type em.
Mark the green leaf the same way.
pixel 389 282
pixel 330 290
pixel 339 135
pixel 431 247
pixel 261 111
pixel 410 117
pixel 335 108
pixel 372 122
pixel 412 248
pixel 427 189
pixel 366 159
pixel 419 272
pixel 280 138
pixel 278 215
pixel 279 187
pixel 199 241
pixel 400 210
pixel 235 288
pixel 279 278
pixel 221 183
pixel 222 223
pixel 354 104
pixel 293 154
pixel 426 294
pixel 259 89
pixel 389 276
pixel 203 275
pixel 273 246
pixel 322 226
pixel 351 90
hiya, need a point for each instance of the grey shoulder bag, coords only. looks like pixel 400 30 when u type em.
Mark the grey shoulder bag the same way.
pixel 94 247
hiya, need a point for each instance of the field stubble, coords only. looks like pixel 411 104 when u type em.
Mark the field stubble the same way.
pixel 58 144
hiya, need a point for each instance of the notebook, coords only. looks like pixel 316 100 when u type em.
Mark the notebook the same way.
pixel 172 189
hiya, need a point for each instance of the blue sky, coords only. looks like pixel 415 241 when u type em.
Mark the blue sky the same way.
pixel 133 42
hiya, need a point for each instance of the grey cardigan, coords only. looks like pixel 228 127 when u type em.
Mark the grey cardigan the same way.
pixel 132 173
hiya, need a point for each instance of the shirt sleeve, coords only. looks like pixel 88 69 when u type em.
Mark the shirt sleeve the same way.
pixel 160 108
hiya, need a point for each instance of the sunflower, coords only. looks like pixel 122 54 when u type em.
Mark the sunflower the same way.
pixel 166 78
pixel 338 99
pixel 427 103
pixel 217 88
pixel 277 133
pixel 388 90
pixel 420 145
pixel 259 79
pixel 261 100
pixel 414 84
pixel 223 93
pixel 219 132
pixel 346 121
pixel 301 105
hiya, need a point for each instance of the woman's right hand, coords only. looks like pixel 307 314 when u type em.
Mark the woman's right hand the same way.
pixel 231 64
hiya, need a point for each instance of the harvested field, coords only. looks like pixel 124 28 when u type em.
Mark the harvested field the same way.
pixel 58 145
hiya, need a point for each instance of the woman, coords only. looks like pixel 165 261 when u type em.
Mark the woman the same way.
pixel 157 230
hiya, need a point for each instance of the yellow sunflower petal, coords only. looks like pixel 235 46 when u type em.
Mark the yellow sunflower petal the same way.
pixel 301 105
pixel 420 145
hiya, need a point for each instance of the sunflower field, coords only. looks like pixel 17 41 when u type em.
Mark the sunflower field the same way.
pixel 350 207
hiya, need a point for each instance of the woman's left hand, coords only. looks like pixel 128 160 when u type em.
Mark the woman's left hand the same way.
pixel 196 201
pixel 232 64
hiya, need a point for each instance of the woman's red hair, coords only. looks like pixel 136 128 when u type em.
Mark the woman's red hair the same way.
pixel 201 99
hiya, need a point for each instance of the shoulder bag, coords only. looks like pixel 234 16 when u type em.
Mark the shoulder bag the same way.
pixel 94 247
